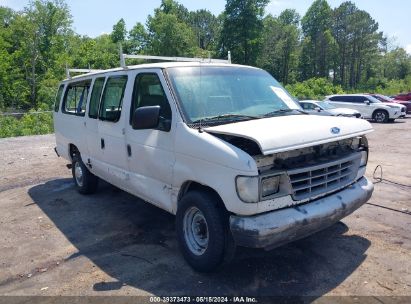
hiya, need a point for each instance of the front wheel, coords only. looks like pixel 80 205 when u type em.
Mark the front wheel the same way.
pixel 86 182
pixel 381 116
pixel 203 232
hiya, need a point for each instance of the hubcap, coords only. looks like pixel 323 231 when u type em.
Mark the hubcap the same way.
pixel 195 231
pixel 380 117
pixel 78 174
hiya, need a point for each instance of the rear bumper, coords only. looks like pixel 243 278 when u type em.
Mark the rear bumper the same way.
pixel 276 228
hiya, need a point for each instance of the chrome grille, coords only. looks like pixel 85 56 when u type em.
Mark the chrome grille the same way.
pixel 314 181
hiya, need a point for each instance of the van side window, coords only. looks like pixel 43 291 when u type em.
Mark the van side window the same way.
pixel 58 98
pixel 95 97
pixel 148 91
pixel 112 100
pixel 75 99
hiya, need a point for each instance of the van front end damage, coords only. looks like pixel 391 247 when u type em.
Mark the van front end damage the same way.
pixel 276 228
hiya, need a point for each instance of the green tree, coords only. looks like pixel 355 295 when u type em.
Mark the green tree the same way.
pixel 206 27
pixel 169 36
pixel 137 39
pixel 242 29
pixel 280 46
pixel 358 40
pixel 396 64
pixel 39 37
pixel 118 35
pixel 317 47
pixel 174 8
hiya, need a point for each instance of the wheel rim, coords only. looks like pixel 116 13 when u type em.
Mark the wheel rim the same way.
pixel 195 231
pixel 380 117
pixel 78 174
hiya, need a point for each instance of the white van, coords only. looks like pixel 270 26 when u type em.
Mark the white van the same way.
pixel 223 147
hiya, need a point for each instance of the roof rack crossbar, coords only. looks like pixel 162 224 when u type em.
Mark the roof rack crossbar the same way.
pixel 123 58
pixel 81 71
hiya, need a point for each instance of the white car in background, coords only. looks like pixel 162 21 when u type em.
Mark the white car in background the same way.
pixel 369 107
pixel 326 108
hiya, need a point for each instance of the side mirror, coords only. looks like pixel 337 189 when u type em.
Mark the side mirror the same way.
pixel 318 109
pixel 367 102
pixel 146 118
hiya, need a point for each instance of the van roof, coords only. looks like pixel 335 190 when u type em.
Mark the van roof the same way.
pixel 158 65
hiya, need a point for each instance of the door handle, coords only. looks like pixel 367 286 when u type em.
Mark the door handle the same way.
pixel 129 150
pixel 102 143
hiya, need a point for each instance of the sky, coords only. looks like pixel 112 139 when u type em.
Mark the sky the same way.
pixel 95 17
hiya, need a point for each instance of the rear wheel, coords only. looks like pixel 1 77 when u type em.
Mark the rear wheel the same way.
pixel 203 232
pixel 380 116
pixel 85 181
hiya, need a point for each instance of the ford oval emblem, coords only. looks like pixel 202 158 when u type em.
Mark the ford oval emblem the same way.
pixel 335 130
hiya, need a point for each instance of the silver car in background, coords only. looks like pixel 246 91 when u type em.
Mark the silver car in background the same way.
pixel 317 107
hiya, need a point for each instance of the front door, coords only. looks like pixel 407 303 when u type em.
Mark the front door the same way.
pixel 151 152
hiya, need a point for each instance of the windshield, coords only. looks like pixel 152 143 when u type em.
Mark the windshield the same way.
pixel 383 98
pixel 373 99
pixel 229 93
pixel 325 105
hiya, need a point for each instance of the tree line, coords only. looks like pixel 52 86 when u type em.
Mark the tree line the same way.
pixel 325 51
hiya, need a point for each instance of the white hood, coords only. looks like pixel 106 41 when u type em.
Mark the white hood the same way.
pixel 285 133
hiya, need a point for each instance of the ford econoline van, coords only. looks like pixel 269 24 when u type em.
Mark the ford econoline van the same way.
pixel 224 147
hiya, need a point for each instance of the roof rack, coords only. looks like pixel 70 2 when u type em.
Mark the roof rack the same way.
pixel 81 71
pixel 123 58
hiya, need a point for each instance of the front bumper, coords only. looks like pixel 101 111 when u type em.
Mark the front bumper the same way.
pixel 276 228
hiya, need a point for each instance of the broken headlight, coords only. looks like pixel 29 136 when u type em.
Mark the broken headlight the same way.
pixel 270 185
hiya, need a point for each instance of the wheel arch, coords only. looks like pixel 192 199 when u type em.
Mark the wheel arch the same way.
pixel 190 185
pixel 380 109
pixel 73 150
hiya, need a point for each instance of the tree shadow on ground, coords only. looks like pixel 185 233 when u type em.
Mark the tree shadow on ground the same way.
pixel 135 243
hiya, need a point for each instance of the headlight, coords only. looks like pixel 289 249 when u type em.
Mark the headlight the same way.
pixel 247 188
pixel 364 158
pixel 269 185
pixel 364 153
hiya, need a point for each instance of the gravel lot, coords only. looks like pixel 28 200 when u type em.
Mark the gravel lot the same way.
pixel 54 241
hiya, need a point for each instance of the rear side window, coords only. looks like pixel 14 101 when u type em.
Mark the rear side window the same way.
pixel 112 99
pixel 58 98
pixel 95 97
pixel 340 98
pixel 361 99
pixel 75 99
pixel 148 91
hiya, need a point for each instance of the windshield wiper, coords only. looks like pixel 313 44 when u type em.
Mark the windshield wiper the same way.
pixel 227 116
pixel 280 111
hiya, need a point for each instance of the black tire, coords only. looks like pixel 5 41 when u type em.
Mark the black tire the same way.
pixel 220 247
pixel 89 182
pixel 380 116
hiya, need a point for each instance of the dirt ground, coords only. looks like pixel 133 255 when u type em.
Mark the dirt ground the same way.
pixel 54 241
